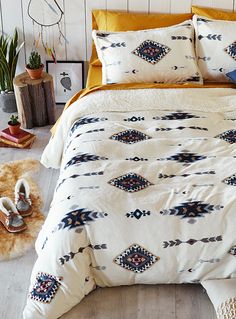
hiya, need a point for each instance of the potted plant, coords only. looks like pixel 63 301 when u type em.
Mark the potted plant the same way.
pixel 14 125
pixel 35 66
pixel 9 53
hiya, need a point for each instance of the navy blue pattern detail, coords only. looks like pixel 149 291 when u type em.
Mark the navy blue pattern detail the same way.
pixel 192 210
pixel 180 37
pixel 130 182
pixel 151 51
pixel 102 34
pixel 191 242
pixel 180 128
pixel 79 175
pixel 193 79
pixel 138 213
pixel 86 120
pixel 215 37
pixel 64 259
pixel 203 20
pixel 135 119
pixel 177 116
pixel 230 180
pixel 115 45
pixel 84 158
pixel 233 251
pixel 186 157
pixel 79 217
pixel 231 50
pixel 136 259
pixel 136 159
pixel 45 287
pixel 161 175
pixel 228 136
pixel 96 130
pixel 130 137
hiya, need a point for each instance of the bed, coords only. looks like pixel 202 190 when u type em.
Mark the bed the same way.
pixel 146 194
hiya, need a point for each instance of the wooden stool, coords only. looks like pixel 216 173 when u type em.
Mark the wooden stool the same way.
pixel 35 100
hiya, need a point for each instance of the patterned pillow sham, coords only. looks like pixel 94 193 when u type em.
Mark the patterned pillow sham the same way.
pixel 215 47
pixel 164 55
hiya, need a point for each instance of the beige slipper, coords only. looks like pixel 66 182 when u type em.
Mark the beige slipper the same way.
pixel 22 197
pixel 10 217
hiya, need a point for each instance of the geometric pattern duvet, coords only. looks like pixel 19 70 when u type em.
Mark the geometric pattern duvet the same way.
pixel 143 197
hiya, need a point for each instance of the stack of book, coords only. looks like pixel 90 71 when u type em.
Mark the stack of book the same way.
pixel 22 140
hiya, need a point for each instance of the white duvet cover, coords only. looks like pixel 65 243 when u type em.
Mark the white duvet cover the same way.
pixel 146 194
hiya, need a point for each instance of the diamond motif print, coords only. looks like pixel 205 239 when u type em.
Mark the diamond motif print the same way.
pixel 136 259
pixel 192 210
pixel 130 182
pixel 186 157
pixel 138 213
pixel 45 287
pixel 231 50
pixel 130 137
pixel 228 136
pixel 151 51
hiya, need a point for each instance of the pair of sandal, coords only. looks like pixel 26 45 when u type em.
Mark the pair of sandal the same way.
pixel 11 215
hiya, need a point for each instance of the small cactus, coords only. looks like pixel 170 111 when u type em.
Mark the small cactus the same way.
pixel 34 61
pixel 14 119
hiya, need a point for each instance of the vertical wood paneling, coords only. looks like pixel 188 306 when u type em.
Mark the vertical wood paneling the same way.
pixel 202 3
pixel 117 5
pixel 90 5
pixel 226 4
pixel 160 6
pixel 1 27
pixel 180 6
pixel 138 5
pixel 9 24
pixel 49 33
pixel 75 30
pixel 77 23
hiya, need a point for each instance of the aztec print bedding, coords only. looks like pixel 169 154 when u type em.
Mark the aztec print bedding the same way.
pixel 146 194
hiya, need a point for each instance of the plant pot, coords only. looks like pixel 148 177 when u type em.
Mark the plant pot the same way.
pixel 8 102
pixel 35 74
pixel 14 129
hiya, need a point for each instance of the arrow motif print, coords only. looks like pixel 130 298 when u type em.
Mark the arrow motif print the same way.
pixel 215 37
pixel 177 242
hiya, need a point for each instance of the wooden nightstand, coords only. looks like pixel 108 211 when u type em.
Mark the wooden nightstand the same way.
pixel 35 100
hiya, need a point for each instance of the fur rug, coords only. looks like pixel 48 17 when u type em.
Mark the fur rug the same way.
pixel 15 245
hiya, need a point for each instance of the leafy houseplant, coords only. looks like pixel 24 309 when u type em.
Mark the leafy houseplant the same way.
pixel 14 125
pixel 35 66
pixel 9 54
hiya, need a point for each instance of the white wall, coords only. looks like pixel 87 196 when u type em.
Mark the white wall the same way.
pixel 77 20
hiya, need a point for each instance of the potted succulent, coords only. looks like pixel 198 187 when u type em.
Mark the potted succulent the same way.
pixel 35 66
pixel 9 53
pixel 14 125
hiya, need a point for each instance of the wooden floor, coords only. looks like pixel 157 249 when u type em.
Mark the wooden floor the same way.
pixel 134 302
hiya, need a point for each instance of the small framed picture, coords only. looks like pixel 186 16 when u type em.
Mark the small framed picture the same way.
pixel 68 78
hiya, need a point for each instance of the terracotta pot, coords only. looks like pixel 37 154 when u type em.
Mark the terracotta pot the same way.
pixel 14 129
pixel 35 74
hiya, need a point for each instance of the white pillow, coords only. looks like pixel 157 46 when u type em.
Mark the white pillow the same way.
pixel 215 47
pixel 164 55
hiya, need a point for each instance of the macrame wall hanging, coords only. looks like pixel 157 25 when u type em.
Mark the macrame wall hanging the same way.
pixel 46 16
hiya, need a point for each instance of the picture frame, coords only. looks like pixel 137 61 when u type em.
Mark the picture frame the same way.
pixel 68 78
